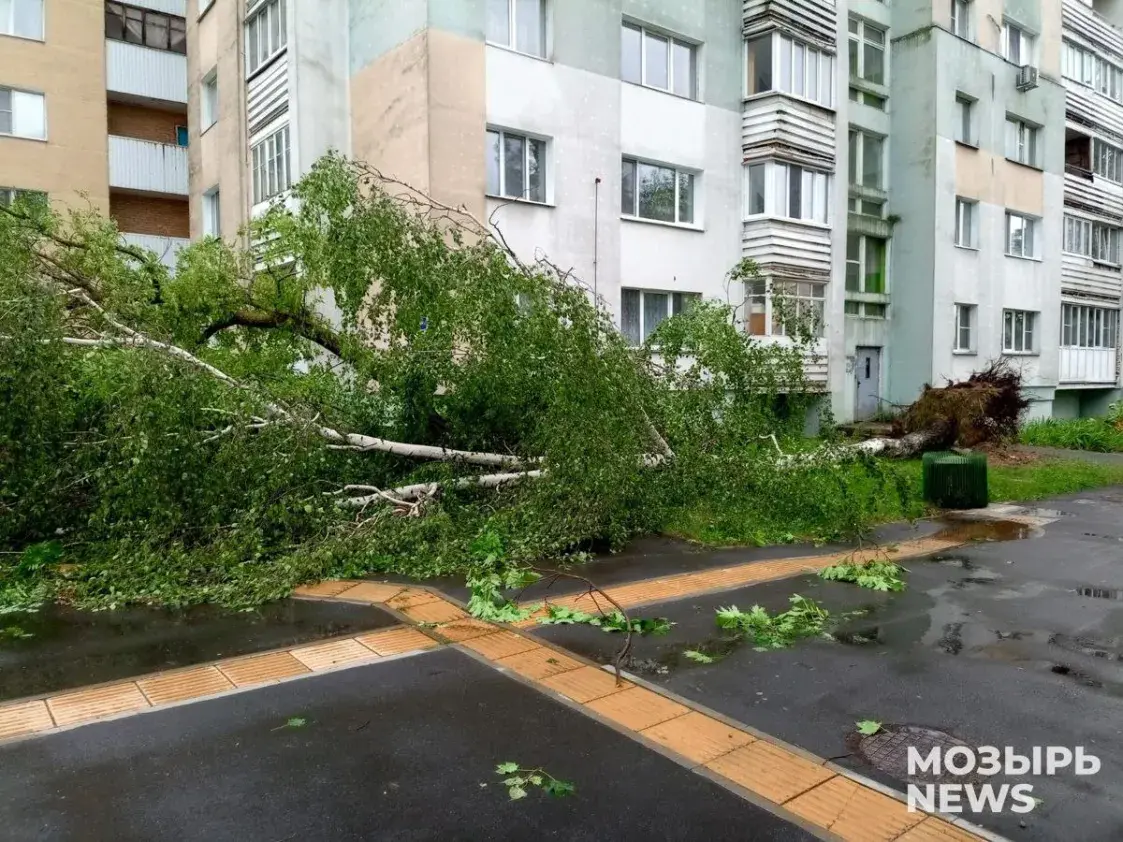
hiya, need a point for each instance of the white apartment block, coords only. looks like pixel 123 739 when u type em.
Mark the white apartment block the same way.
pixel 941 184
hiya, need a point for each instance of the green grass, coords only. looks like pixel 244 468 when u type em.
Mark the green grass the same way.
pixel 1094 434
pixel 1049 477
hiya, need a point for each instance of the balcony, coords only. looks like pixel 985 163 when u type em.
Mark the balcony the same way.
pixel 142 74
pixel 166 248
pixel 147 167
pixel 1088 366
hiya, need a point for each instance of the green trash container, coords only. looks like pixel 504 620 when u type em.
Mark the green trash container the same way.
pixel 954 480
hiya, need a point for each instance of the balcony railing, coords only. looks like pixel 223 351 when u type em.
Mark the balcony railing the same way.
pixel 146 166
pixel 1088 365
pixel 154 75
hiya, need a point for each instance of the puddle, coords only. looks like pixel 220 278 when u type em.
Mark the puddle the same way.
pixel 967 531
pixel 952 639
pixel 1076 675
pixel 1108 650
pixel 859 637
pixel 960 561
pixel 1101 593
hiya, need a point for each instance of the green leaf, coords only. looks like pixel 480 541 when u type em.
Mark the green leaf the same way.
pixel 516 792
pixel 536 780
pixel 518 780
pixel 558 788
pixel 507 768
pixel 867 727
pixel 699 657
pixel 296 722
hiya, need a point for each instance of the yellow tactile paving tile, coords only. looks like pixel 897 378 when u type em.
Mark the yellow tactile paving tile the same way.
pixel 24 718
pixel 637 708
pixel 409 598
pixel 397 640
pixel 854 812
pixel 771 771
pixel 586 684
pixel 465 629
pixel 327 588
pixel 262 669
pixel 321 656
pixel 186 684
pixel 371 592
pixel 97 702
pixel 539 663
pixel 500 645
pixel 697 737
pixel 438 611
pixel 937 830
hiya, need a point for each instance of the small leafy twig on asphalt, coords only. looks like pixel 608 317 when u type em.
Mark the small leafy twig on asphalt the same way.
pixel 517 779
pixel 867 727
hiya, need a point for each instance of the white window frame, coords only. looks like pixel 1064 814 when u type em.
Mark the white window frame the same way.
pixel 856 173
pixel 966 223
pixel 1019 332
pixel 783 73
pixel 500 191
pixel 8 195
pixel 672 42
pixel 814 192
pixel 208 100
pixel 1097 241
pixel 676 302
pixel 1107 160
pixel 858 29
pixel 694 180
pixel 961 23
pixel 8 22
pixel 212 213
pixel 965 120
pixel 511 42
pixel 1023 141
pixel 1077 63
pixel 866 98
pixel 1030 224
pixel 1089 327
pixel 271 165
pixel 859 205
pixel 15 96
pixel 1019 45
pixel 966 319
pixel 809 298
pixel 862 260
pixel 271 16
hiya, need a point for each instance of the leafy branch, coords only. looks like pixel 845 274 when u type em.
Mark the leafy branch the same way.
pixel 517 779
pixel 805 618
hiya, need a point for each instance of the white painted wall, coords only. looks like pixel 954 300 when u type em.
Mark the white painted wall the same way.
pixel 592 122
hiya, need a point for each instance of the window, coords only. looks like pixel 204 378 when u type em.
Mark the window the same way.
pixel 1021 235
pixel 642 310
pixel 22 114
pixel 266 34
pixel 212 226
pixel 516 166
pixel 182 136
pixel 788 191
pixel 1021 141
pixel 1083 66
pixel 145 27
pixel 965 223
pixel 865 309
pixel 961 18
pixel 209 99
pixel 964 328
pixel 866 207
pixel 658 61
pixel 777 63
pixel 867 156
pixel 518 24
pixel 271 171
pixel 1092 239
pixel 865 263
pixel 22 17
pixel 768 312
pixel 1089 327
pixel 1017 44
pixel 664 194
pixel 965 120
pixel 1107 160
pixel 1017 331
pixel 867 51
pixel 866 98
pixel 10 195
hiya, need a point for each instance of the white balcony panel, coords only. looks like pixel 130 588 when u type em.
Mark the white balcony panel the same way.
pixel 147 166
pixel 1094 195
pixel 166 248
pixel 1091 28
pixel 810 20
pixel 146 73
pixel 795 130
pixel 789 249
pixel 1088 365
pixel 267 96
pixel 1081 275
pixel 1089 110
pixel 168 7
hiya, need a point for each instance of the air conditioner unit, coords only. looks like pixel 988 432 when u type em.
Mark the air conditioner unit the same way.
pixel 1027 77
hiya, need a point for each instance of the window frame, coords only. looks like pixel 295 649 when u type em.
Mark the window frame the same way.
pixel 1101 152
pixel 8 29
pixel 675 299
pixel 544 166
pixel 960 19
pixel 861 262
pixel 861 42
pixel 212 212
pixel 1025 137
pixel 1088 327
pixel 13 98
pixel 1011 341
pixel 966 319
pixel 511 43
pixel 271 154
pixel 969 208
pixel 208 101
pixel 825 70
pixel 695 206
pixel 1081 238
pixel 1027 43
pixel 762 292
pixel 673 41
pixel 856 169
pixel 814 187
pixel 966 129
pixel 171 25
pixel 256 61
pixel 1031 223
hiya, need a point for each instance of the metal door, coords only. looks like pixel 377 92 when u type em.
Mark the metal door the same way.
pixel 867 373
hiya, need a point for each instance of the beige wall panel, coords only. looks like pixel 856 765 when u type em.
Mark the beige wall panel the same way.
pixel 457 80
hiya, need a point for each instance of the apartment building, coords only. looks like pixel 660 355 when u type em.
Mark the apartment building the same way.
pixel 938 183
pixel 93 111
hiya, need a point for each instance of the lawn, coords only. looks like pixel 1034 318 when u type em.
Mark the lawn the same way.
pixel 1095 434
